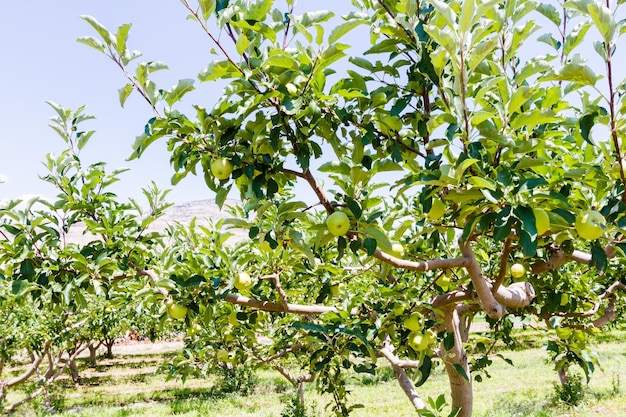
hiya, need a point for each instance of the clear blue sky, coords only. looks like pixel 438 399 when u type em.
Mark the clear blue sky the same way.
pixel 42 61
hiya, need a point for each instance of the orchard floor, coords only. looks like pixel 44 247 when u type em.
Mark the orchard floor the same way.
pixel 128 386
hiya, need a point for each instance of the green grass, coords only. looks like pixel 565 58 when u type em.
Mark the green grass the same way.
pixel 128 386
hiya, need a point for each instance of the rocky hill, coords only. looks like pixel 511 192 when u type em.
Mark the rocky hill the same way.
pixel 202 210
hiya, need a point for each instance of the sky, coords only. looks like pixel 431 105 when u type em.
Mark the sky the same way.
pixel 41 61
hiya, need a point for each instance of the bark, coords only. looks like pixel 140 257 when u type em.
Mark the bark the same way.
pixel 278 307
pixel 74 371
pixel 93 350
pixel 488 303
pixel 407 387
pixel 456 357
pixel 405 383
pixel 109 345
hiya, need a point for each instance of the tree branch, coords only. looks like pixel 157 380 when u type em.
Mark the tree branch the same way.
pixel 277 307
pixel 421 266
pixel 487 300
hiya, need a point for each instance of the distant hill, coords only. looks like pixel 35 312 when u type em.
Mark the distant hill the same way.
pixel 183 213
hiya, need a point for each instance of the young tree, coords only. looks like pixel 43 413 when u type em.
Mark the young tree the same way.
pixel 457 178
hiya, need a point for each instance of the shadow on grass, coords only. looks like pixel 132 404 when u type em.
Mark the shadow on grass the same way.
pixel 164 396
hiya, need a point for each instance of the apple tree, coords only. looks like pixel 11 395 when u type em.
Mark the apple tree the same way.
pixel 51 283
pixel 435 160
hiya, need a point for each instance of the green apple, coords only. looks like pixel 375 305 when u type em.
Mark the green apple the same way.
pixel 418 341
pixel 177 311
pixel 397 250
pixel 542 221
pixel 590 225
pixel 338 223
pixel 564 299
pixel 518 270
pixel 414 322
pixel 222 355
pixel 221 168
pixel 243 281
pixel 437 209
pixel 291 89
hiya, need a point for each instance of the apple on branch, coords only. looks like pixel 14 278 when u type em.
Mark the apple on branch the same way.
pixel 177 311
pixel 590 225
pixel 338 223
pixel 243 281
pixel 221 168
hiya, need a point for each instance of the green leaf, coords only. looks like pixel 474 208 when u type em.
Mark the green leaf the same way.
pixel 177 92
pixel 124 92
pixel 573 72
pixel 343 29
pixel 207 7
pixel 603 19
pixel 282 61
pixel 121 38
pixel 370 245
pixel 549 11
pixel 446 12
pixel 459 369
pixel 468 8
pixel 108 37
pixel 92 42
pixel 482 182
pixel 599 259
pixel 381 239
pixel 425 369
pixel 257 10
pixel 586 123
pixel 219 70
pixel 354 207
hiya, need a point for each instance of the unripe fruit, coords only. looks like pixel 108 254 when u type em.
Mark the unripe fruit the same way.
pixel 338 223
pixel 590 225
pixel 221 168
pixel 418 341
pixel 397 250
pixel 177 311
pixel 243 281
pixel 517 270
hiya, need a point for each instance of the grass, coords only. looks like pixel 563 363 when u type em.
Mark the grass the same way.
pixel 128 386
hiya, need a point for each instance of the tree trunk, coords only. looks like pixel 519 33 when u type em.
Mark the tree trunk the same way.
pixel 455 360
pixel 93 350
pixel 74 372
pixel 109 345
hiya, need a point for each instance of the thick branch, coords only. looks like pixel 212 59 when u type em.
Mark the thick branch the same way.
pixel 310 179
pixel 488 302
pixel 277 307
pixel 558 258
pixel 31 370
pixel 516 295
pixel 421 266
pixel 503 264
